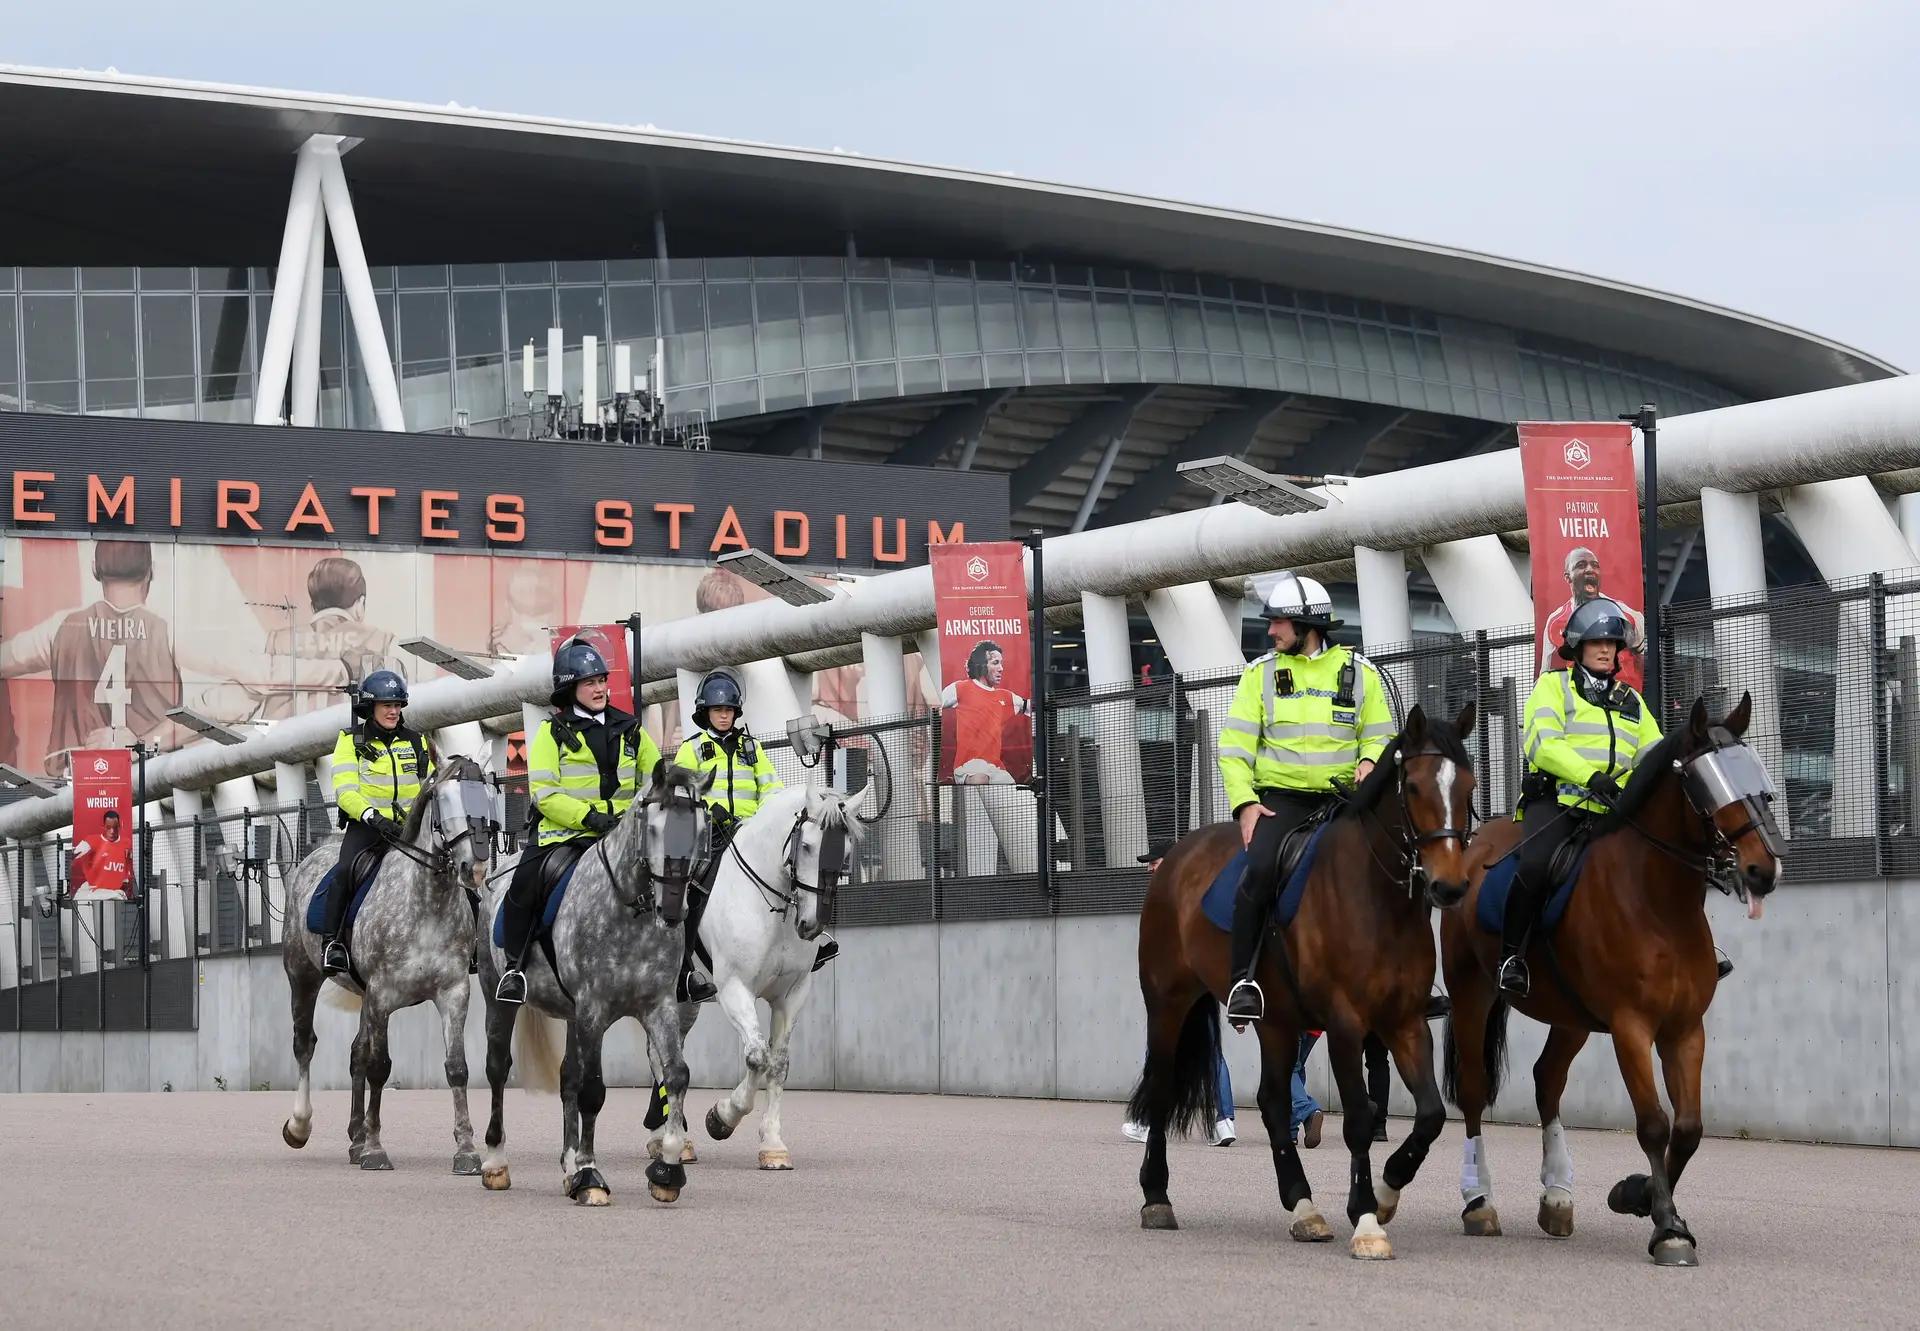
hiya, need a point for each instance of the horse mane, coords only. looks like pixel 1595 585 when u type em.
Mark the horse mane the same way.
pixel 1647 774
pixel 1443 738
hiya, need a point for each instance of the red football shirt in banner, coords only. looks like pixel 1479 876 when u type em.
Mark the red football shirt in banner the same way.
pixel 610 640
pixel 986 662
pixel 1583 525
pixel 102 865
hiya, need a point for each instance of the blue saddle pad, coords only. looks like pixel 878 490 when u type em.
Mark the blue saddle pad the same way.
pixel 1498 885
pixel 548 914
pixel 1217 904
pixel 317 906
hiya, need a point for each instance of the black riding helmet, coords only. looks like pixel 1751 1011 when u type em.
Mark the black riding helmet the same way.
pixel 575 662
pixel 718 689
pixel 381 686
pixel 1598 620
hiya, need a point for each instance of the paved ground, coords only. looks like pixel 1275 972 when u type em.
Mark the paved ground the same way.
pixel 187 1211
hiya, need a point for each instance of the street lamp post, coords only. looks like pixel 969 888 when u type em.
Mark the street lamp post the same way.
pixel 1647 421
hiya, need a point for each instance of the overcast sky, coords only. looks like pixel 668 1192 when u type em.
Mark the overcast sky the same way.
pixel 1760 155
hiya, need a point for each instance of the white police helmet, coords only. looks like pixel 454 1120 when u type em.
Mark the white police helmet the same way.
pixel 1287 595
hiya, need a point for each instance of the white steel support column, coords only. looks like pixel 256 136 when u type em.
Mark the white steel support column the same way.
pixel 289 784
pixel 296 240
pixel 178 860
pixel 772 698
pixel 1386 612
pixel 356 282
pixel 9 920
pixel 1743 644
pixel 886 678
pixel 305 406
pixel 230 799
pixel 466 740
pixel 687 684
pixel 1116 728
pixel 1484 593
pixel 928 641
pixel 1193 631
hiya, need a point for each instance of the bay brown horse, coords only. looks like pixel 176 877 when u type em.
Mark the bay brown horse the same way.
pixel 1633 956
pixel 1358 957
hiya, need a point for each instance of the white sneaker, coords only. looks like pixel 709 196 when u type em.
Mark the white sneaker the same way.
pixel 1223 1134
pixel 1134 1132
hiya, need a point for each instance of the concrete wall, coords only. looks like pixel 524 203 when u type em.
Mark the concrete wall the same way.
pixel 1816 1036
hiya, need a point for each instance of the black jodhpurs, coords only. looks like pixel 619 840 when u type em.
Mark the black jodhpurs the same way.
pixel 1253 905
pixel 524 897
pixel 1545 824
pixel 359 837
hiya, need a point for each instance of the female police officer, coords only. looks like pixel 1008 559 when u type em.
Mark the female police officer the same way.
pixel 378 768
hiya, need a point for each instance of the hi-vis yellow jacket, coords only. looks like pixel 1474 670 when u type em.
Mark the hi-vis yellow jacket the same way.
pixel 742 780
pixel 382 773
pixel 1294 726
pixel 1573 738
pixel 563 775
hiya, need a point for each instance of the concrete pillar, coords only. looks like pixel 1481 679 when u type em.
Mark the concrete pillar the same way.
pixel 1484 592
pixel 1743 645
pixel 1116 729
pixel 181 925
pixel 1907 511
pixel 892 753
pixel 230 800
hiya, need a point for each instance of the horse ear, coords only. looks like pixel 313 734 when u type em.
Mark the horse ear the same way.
pixel 859 804
pixel 1697 720
pixel 659 771
pixel 1415 730
pixel 1463 724
pixel 1740 717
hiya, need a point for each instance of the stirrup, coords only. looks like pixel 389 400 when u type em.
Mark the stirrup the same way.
pixel 828 951
pixel 1722 963
pixel 334 959
pixel 1245 1002
pixel 695 987
pixel 1513 979
pixel 512 987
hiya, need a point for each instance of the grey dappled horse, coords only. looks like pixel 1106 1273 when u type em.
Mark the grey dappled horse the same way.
pixel 618 940
pixel 411 943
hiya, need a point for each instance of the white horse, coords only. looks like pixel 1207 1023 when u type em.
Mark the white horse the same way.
pixel 771 898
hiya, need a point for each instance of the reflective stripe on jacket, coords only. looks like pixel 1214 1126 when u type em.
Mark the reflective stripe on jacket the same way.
pixel 380 774
pixel 565 780
pixel 1295 737
pixel 1573 739
pixel 742 780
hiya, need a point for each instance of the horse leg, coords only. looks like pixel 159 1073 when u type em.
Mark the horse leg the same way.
pixel 452 1005
pixel 1412 1048
pixel 1680 1060
pixel 570 1075
pixel 1472 995
pixel 1153 1102
pixel 667 1176
pixel 1649 1194
pixel 379 1068
pixel 494 1173
pixel 773 1151
pixel 738 1004
pixel 1278 1052
pixel 357 1068
pixel 1343 1051
pixel 1556 1162
pixel 305 985
pixel 585 1035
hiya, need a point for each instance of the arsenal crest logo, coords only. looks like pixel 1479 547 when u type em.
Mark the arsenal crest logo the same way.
pixel 99 766
pixel 977 569
pixel 1578 455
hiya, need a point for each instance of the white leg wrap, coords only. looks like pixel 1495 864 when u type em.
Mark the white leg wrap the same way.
pixel 1556 1162
pixel 1476 1179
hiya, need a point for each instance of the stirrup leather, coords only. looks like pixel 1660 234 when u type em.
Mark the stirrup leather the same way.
pixel 1246 988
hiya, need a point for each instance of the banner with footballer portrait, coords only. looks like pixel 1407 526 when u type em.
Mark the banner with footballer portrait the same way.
pixel 101 868
pixel 986 663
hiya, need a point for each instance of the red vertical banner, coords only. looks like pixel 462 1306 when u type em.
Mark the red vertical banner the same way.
pixel 102 864
pixel 986 662
pixel 1583 526
pixel 610 640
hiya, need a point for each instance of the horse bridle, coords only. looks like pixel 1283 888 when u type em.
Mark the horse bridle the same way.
pixel 1411 840
pixel 1724 773
pixel 833 865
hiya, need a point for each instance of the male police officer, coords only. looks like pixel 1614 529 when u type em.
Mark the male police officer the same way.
pixel 378 768
pixel 584 767
pixel 1307 718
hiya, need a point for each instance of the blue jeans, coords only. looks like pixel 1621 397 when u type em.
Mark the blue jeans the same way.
pixel 1223 1088
pixel 1304 1106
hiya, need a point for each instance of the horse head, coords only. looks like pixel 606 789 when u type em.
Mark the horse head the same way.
pixel 1728 786
pixel 675 830
pixel 1435 777
pixel 819 855
pixel 462 808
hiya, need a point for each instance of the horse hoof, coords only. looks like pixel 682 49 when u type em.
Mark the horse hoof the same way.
pixel 1386 1203
pixel 1481 1221
pixel 662 1193
pixel 466 1164
pixel 654 1149
pixel 1556 1213
pixel 295 1140
pixel 1629 1197
pixel 374 1160
pixel 1158 1215
pixel 496 1179
pixel 776 1160
pixel 354 1152
pixel 1675 1252
pixel 1309 1226
pixel 688 1155
pixel 716 1126
pixel 593 1197
pixel 1370 1242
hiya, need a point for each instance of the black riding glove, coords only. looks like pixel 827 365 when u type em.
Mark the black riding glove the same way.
pixel 384 827
pixel 1603 785
pixel 599 823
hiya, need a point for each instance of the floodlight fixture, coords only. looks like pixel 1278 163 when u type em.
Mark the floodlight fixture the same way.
pixel 14 779
pixel 809 738
pixel 207 726
pixel 450 659
pixel 1233 479
pixel 766 572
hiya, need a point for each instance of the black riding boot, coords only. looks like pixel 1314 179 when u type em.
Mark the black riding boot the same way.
pixel 694 987
pixel 517 921
pixel 1544 823
pixel 1245 1002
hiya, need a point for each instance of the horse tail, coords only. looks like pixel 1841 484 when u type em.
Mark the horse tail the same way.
pixel 537 1052
pixel 344 1000
pixel 1194 1100
pixel 1495 1052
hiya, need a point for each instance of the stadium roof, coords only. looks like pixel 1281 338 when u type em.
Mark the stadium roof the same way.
pixel 112 169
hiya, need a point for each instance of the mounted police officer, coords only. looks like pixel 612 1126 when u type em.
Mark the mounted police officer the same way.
pixel 585 767
pixel 378 769
pixel 1586 729
pixel 743 779
pixel 1307 719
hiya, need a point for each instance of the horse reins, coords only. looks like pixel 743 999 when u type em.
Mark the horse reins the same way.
pixel 1409 839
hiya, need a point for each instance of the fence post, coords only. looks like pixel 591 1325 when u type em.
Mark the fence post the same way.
pixel 1879 714
pixel 1076 802
pixel 1203 761
pixel 1482 682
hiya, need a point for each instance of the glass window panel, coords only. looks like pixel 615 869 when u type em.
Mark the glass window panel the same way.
pixel 48 327
pixel 1182 284
pixel 1083 367
pixel 480 389
pixel 63 396
pixel 235 279
pixel 1217 287
pixel 1116 325
pixel 46 279
pixel 262 314
pixel 529 274
pixel 872 322
pixel 729 268
pixel 959 330
pixel 685 270
pixel 1157 367
pixel 1046 368
pixel 1150 322
pixel 423 327
pixel 919 376
pixel 1194 368
pixel 785 391
pixel 1577 391
pixel 823 312
pixel 1346 345
pixel 999 328
pixel 166 337
pixel 1036 317
pixel 630 314
pixel 629 270
pixel 1261 373
pixel 687 400
pixel 736 399
pixel 871 381
pixel 1005 371
pixel 1433 362
pixel 1459 366
pixel 6 279
pixel 1406 353
pixel 1076 318
pixel 106 279
pixel 776 267
pixel 730 320
pixel 965 372
pixel 476 274
pixel 1147 281
pixel 1123 367
pixel 867 268
pixel 1221 336
pixel 913 317
pixel 166 279
pixel 1229 370
pixel 684 312
pixel 822 267
pixel 1285 327
pixel 1353 384
pixel 529 316
pixel 1310 300
pixel 1293 376
pixel 476 324
pixel 1481 357
pixel 426 396
pixel 1318 338
pixel 835 385
pixel 1035 272
pixel 106 324
pixel 986 271
pixel 223 351
pixel 1110 277
pixel 1373 342
pixel 1189 333
pixel 779 319
pixel 964 270
pixel 918 267
pixel 9 357
pixel 583 311
pixel 1323 379
pixel 418 275
pixel 1252 325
